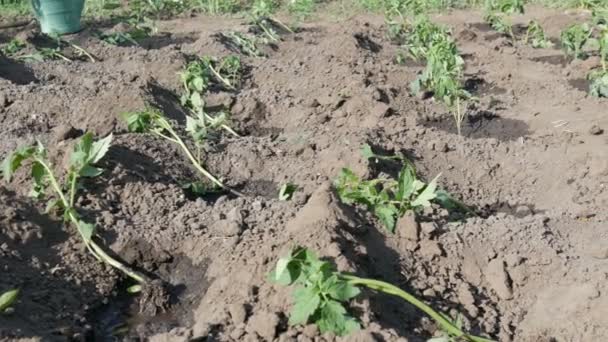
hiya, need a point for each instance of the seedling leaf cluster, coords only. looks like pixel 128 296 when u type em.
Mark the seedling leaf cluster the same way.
pixel 62 197
pixel 388 199
pixel 322 294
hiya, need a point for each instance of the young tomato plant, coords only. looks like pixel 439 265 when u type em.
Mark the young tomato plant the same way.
pixel 60 197
pixel 154 122
pixel 574 38
pixel 535 36
pixel 261 16
pixel 322 294
pixel 505 6
pixel 243 43
pixel 196 79
pixel 388 199
pixel 500 23
pixel 421 35
pixel 599 78
pixel 442 76
pixel 12 47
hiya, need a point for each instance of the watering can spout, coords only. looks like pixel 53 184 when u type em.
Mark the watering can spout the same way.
pixel 58 16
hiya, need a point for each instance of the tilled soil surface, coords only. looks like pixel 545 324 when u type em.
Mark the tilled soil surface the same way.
pixel 533 160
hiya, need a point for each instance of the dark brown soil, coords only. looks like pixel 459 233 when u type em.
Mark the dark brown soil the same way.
pixel 531 267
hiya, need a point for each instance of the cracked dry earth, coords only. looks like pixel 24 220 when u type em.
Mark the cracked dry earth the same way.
pixel 531 266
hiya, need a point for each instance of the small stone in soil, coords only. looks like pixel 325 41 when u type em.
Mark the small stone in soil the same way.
pixel 264 324
pixel 595 130
pixel 238 313
pixel 430 249
pixel 496 275
pixel 407 227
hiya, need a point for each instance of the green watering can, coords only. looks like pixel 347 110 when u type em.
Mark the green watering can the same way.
pixel 58 16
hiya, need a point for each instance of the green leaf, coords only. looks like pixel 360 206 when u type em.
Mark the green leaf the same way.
pixel 52 204
pixel 333 318
pixel 8 298
pixel 366 152
pixel 86 230
pixel 343 291
pixel 13 161
pixel 387 215
pixel 39 175
pixel 287 191
pixel 428 194
pixel 196 100
pixel 281 268
pixel 407 176
pixel 100 148
pixel 90 171
pixel 307 301
pixel 138 122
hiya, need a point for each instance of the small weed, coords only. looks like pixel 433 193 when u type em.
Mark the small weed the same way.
pixel 12 47
pixel 535 36
pixel 574 38
pixel 388 199
pixel 7 299
pixel 322 295
pixel 85 155
pixel 287 190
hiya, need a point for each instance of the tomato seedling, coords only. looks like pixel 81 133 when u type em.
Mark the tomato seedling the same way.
pixel 505 6
pixel 535 36
pixel 322 295
pixel 261 16
pixel 599 78
pixel 62 198
pixel 388 199
pixel 12 47
pixel 241 42
pixel 154 122
pixel 500 23
pixel 574 38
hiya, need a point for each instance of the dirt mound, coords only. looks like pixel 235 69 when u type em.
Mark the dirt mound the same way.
pixel 529 267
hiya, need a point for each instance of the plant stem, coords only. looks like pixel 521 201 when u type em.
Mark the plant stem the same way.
pixel 458 116
pixel 165 124
pixel 96 250
pixel 219 77
pixel 381 286
pixel 224 126
pixel 83 51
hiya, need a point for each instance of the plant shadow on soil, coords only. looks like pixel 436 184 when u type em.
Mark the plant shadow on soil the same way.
pixel 481 125
pixel 16 72
pixel 48 286
pixel 384 263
